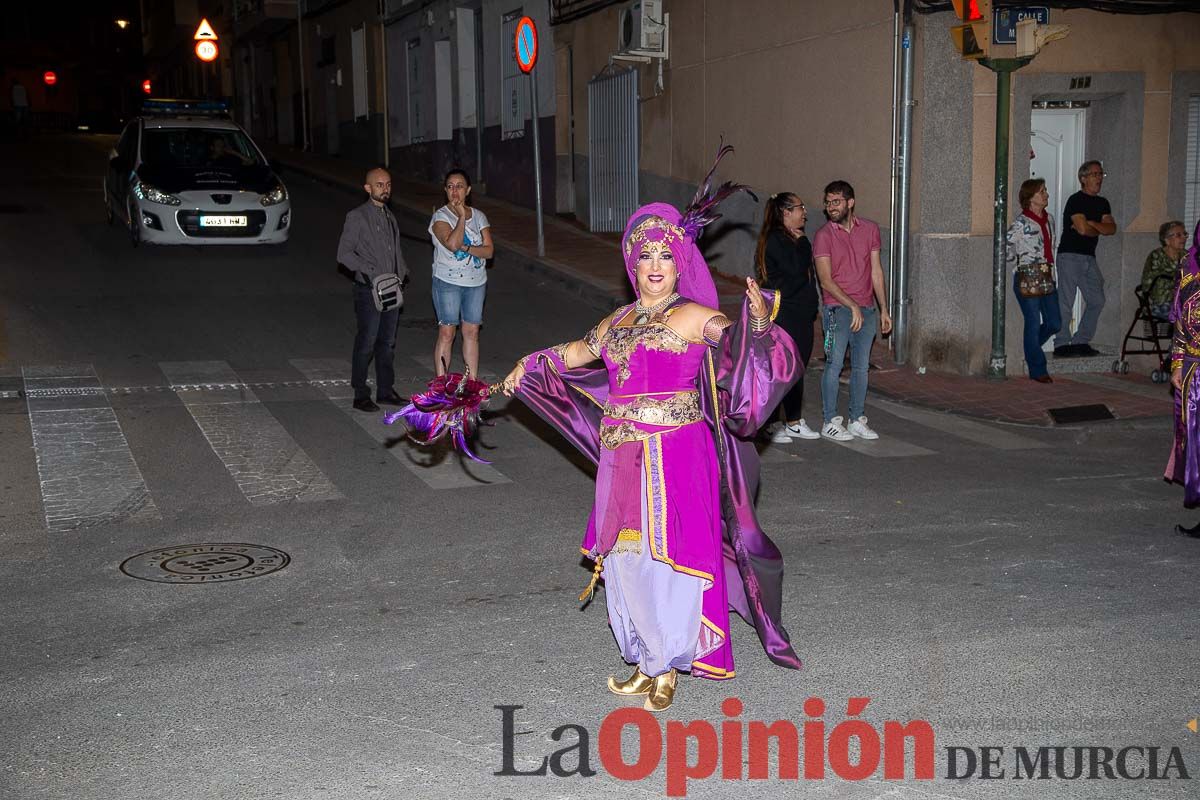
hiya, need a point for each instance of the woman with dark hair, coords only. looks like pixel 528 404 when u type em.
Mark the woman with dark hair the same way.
pixel 785 263
pixel 1161 270
pixel 462 244
pixel 669 418
pixel 1031 255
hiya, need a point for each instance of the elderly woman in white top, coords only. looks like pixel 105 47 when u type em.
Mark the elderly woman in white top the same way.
pixel 1031 256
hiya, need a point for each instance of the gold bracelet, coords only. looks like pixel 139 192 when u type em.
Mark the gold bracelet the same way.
pixel 760 324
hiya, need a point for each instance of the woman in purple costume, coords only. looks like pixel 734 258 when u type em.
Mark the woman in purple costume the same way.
pixel 1184 463
pixel 670 419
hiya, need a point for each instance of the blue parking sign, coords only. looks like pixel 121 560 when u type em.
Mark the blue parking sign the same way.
pixel 1004 21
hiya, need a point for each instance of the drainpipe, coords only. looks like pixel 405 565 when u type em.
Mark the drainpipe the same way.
pixel 891 289
pixel 387 117
pixel 303 89
pixel 900 300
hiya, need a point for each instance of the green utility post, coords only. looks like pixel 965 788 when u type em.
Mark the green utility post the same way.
pixel 1003 67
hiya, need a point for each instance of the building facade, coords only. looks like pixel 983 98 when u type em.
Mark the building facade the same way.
pixel 804 90
pixel 456 97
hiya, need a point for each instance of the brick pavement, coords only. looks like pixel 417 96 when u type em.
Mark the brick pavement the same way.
pixel 590 264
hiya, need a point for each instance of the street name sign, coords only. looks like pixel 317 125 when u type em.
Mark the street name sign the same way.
pixel 1004 21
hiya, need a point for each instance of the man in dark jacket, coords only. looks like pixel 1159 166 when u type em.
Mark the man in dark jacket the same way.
pixel 369 247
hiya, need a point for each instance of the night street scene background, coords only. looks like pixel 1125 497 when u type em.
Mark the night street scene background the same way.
pixel 220 579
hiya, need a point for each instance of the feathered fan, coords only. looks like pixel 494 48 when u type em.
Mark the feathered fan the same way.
pixel 450 406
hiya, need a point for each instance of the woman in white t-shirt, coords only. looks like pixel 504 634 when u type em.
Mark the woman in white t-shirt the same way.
pixel 462 244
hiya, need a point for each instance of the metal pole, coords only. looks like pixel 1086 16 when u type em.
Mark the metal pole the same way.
pixel 900 300
pixel 479 178
pixel 1003 67
pixel 303 90
pixel 895 166
pixel 537 161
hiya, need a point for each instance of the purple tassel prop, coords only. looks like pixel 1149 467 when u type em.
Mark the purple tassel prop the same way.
pixel 450 406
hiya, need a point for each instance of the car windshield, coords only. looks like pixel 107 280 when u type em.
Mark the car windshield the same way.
pixel 197 148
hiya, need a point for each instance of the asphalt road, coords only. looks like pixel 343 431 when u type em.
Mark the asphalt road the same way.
pixel 1013 587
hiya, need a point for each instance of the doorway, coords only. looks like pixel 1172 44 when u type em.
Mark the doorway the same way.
pixel 1056 149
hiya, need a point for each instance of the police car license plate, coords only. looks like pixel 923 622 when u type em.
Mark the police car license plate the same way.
pixel 223 221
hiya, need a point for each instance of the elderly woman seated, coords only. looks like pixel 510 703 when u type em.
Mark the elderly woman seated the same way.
pixel 1161 272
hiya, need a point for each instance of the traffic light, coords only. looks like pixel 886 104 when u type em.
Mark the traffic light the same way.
pixel 973 37
pixel 146 87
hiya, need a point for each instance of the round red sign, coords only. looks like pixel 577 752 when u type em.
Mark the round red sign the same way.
pixel 525 44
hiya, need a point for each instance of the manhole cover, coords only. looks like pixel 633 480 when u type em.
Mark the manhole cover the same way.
pixel 205 563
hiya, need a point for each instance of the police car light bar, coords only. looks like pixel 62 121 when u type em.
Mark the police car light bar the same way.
pixel 172 107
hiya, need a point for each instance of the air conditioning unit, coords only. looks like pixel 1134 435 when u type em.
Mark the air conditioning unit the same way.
pixel 642 29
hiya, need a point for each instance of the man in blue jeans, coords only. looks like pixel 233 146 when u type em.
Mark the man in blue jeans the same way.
pixel 369 247
pixel 846 251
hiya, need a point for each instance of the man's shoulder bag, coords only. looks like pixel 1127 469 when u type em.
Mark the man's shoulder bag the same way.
pixel 386 291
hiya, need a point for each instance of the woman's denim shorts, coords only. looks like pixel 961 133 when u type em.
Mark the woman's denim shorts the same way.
pixel 457 304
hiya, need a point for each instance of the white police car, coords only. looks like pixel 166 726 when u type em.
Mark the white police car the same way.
pixel 183 173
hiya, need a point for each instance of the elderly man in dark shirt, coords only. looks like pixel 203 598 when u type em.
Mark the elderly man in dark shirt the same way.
pixel 1086 218
pixel 370 246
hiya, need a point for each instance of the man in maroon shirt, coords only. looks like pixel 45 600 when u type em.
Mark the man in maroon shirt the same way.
pixel 846 251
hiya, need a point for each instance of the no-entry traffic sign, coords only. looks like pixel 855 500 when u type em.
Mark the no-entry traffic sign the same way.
pixel 525 44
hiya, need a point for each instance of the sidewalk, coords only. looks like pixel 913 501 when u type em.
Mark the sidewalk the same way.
pixel 590 265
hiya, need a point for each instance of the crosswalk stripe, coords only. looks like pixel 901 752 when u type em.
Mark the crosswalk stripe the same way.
pixel 87 472
pixel 886 447
pixel 260 455
pixel 972 431
pixel 440 470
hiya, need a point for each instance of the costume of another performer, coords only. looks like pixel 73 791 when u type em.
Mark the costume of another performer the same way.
pixel 1184 464
pixel 670 419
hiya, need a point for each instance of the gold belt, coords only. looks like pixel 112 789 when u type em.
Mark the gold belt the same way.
pixel 681 408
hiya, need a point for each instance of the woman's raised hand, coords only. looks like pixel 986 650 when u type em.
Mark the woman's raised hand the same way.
pixel 758 304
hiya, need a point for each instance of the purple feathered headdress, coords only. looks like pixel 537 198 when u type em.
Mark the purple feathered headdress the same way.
pixel 662 222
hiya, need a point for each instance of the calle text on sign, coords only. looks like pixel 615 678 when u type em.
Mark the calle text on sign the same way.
pixel 1004 21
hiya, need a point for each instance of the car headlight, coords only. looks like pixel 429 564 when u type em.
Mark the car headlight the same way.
pixel 145 191
pixel 275 196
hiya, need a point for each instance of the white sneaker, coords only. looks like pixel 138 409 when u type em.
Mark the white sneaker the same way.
pixel 800 431
pixel 779 434
pixel 833 430
pixel 860 429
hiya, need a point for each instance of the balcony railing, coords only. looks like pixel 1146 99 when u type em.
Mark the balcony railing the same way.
pixel 568 10
pixel 253 18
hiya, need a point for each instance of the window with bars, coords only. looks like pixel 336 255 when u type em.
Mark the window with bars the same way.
pixel 1191 185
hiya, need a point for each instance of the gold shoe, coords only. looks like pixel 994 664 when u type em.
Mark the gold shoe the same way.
pixel 638 683
pixel 662 692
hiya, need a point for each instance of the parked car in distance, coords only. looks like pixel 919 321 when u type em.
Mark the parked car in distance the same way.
pixel 184 173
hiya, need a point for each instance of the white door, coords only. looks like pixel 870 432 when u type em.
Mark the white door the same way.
pixel 1056 145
